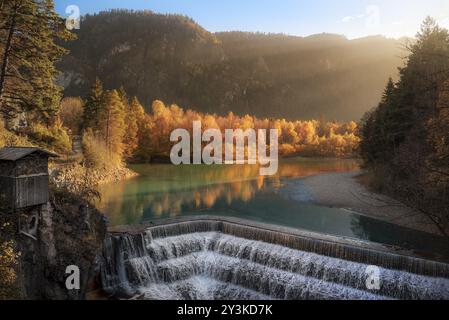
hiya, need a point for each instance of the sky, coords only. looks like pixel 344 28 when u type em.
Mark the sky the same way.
pixel 352 18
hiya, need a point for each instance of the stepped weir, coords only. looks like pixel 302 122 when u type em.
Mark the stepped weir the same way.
pixel 211 258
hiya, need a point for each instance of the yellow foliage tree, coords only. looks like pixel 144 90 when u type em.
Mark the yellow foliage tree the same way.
pixel 311 138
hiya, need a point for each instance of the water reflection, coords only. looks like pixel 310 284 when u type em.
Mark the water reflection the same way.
pixel 163 191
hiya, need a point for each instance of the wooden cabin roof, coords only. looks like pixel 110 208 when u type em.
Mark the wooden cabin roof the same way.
pixel 17 153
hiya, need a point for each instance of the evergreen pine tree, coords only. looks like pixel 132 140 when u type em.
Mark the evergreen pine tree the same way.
pixel 405 138
pixel 376 145
pixel 438 127
pixel 94 104
pixel 388 92
pixel 111 126
pixel 29 30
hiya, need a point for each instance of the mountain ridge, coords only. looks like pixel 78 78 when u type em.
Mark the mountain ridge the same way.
pixel 172 58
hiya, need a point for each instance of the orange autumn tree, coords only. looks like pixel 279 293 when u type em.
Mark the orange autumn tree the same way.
pixel 135 115
pixel 308 138
pixel 126 132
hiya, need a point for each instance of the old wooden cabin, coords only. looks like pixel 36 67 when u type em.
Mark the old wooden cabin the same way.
pixel 23 178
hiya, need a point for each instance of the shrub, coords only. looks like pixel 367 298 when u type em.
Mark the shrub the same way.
pixel 9 139
pixel 54 137
pixel 96 153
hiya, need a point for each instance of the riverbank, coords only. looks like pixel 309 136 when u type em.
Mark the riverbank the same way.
pixel 72 176
pixel 345 190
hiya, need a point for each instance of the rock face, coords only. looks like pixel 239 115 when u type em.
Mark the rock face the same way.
pixel 71 233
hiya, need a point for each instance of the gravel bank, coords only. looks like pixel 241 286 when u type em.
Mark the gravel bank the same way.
pixel 343 191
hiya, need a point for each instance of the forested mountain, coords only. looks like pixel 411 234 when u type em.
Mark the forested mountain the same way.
pixel 171 58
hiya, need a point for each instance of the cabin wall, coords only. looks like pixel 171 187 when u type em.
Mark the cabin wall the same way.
pixel 31 165
pixel 7 169
pixel 31 191
pixel 6 194
pixel 23 183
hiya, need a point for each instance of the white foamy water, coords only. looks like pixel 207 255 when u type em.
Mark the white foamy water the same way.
pixel 213 265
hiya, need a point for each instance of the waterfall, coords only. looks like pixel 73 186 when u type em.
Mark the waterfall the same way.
pixel 232 260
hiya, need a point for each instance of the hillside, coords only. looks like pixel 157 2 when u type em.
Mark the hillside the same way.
pixel 171 58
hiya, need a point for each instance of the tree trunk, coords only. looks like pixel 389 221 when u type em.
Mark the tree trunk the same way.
pixel 6 53
pixel 108 146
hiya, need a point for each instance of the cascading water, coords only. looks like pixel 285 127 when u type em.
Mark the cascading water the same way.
pixel 211 259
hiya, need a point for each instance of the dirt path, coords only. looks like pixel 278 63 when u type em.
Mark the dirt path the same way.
pixel 342 190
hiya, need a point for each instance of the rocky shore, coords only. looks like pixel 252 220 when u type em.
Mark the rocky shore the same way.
pixel 75 177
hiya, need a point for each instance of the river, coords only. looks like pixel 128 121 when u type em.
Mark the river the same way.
pixel 166 191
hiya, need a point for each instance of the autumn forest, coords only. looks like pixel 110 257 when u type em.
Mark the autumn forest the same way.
pixel 363 138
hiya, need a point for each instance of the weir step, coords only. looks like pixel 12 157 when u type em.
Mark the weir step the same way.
pixel 196 258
